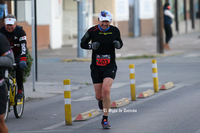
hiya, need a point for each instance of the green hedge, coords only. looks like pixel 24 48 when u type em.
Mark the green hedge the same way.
pixel 27 70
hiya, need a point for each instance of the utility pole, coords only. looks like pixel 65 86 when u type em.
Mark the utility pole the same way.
pixel 15 8
pixel 81 26
pixel 192 13
pixel 176 15
pixel 33 41
pixel 160 47
pixel 35 25
pixel 136 20
pixel 185 15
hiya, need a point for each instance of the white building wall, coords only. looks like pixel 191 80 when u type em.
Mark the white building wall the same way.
pixel 43 12
pixel 89 10
pixel 56 24
pixel 21 13
pixel 28 12
pixel 49 12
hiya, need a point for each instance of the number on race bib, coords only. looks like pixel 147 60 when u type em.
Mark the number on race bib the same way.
pixel 102 60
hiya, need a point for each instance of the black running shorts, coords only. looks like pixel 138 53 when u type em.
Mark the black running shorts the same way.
pixel 3 99
pixel 98 73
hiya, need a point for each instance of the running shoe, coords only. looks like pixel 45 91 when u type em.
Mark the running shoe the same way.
pixel 105 124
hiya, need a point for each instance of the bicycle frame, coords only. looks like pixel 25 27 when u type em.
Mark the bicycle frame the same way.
pixel 11 87
pixel 18 104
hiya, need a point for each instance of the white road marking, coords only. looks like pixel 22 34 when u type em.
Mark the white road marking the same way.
pixel 117 85
pixel 148 84
pixel 198 131
pixel 196 42
pixel 192 55
pixel 57 125
pixel 84 98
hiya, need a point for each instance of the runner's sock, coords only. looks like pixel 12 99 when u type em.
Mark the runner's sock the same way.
pixel 104 117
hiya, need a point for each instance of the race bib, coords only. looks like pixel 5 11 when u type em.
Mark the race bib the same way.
pixel 102 60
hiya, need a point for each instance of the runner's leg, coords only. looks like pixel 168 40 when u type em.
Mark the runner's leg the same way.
pixel 3 99
pixel 3 127
pixel 98 94
pixel 107 83
pixel 98 91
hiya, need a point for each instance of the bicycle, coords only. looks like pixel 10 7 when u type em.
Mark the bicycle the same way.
pixel 18 104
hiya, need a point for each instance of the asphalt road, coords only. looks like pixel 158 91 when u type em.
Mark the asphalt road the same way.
pixel 175 110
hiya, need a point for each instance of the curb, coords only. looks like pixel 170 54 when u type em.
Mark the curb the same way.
pixel 75 60
pixel 124 57
pixel 120 103
pixel 147 93
pixel 87 115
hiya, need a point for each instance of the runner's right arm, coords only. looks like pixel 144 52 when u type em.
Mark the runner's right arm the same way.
pixel 85 41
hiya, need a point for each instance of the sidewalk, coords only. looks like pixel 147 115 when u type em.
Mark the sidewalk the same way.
pixel 132 47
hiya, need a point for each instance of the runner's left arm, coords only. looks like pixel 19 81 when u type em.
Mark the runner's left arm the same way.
pixel 118 38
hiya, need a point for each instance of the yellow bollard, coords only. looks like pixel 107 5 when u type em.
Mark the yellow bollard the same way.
pixel 132 82
pixel 67 101
pixel 155 76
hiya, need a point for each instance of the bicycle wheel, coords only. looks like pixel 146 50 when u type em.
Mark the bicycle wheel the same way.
pixel 18 107
pixel 7 107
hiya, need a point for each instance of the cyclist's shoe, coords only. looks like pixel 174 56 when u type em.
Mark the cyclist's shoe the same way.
pixel 100 104
pixel 19 95
pixel 105 124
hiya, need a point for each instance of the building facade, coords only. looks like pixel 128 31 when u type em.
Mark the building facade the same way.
pixel 57 20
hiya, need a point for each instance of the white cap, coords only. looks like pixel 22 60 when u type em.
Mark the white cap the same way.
pixel 10 21
pixel 105 16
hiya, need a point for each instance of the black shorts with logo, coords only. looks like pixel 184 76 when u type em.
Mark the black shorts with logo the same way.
pixel 3 98
pixel 98 73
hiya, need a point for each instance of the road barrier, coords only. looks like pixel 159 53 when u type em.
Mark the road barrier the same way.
pixel 132 82
pixel 120 103
pixel 87 115
pixel 155 76
pixel 167 86
pixel 67 101
pixel 147 93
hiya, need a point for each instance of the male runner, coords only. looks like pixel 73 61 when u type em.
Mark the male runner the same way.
pixel 104 39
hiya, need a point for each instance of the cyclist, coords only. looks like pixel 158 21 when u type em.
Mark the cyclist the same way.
pixel 17 38
pixel 104 39
pixel 3 12
pixel 6 60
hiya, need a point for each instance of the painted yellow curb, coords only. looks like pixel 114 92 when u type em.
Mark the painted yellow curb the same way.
pixel 147 93
pixel 87 115
pixel 167 86
pixel 120 103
